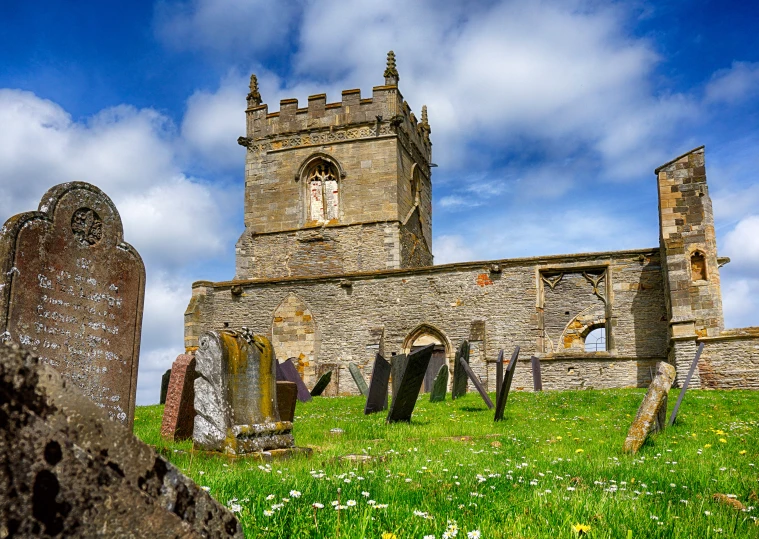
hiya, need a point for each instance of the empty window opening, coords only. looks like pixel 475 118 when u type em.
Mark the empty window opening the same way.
pixel 698 266
pixel 595 341
pixel 323 192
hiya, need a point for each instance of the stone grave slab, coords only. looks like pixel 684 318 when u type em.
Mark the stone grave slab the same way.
pixel 503 393
pixel 376 401
pixel 411 384
pixel 440 385
pixel 477 384
pixel 397 367
pixel 164 386
pixel 287 396
pixel 72 291
pixel 692 370
pixel 69 471
pixel 652 413
pixel 236 395
pixel 459 374
pixel 537 378
pixel 290 374
pixel 179 413
pixel 359 379
pixel 321 384
pixel 498 373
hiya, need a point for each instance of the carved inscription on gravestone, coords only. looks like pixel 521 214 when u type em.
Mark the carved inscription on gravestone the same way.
pixel 71 292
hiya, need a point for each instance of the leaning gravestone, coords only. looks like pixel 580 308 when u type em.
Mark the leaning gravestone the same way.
pixel 321 384
pixel 236 395
pixel 287 397
pixel 692 369
pixel 288 372
pixel 164 386
pixel 440 385
pixel 71 292
pixel 397 366
pixel 359 379
pixel 498 373
pixel 652 413
pixel 537 379
pixel 411 383
pixel 477 384
pixel 376 401
pixel 459 374
pixel 68 471
pixel 503 391
pixel 179 413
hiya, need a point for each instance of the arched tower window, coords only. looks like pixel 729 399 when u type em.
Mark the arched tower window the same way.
pixel 323 192
pixel 698 266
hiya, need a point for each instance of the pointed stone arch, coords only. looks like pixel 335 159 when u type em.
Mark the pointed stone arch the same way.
pixel 293 335
pixel 425 334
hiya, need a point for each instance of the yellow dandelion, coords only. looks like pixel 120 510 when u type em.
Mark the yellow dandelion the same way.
pixel 742 452
pixel 632 480
pixel 581 529
pixel 553 419
pixel 559 438
pixel 579 451
pixel 707 446
pixel 723 440
pixel 388 535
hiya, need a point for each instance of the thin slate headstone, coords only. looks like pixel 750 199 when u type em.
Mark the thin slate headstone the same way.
pixel 498 373
pixel 692 369
pixel 179 412
pixel 503 394
pixel 476 381
pixel 411 384
pixel 459 375
pixel 397 367
pixel 440 385
pixel 359 379
pixel 376 401
pixel 72 291
pixel 164 386
pixel 321 384
pixel 537 379
pixel 290 374
pixel 287 397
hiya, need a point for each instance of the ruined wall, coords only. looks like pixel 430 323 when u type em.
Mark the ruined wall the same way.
pixel 494 304
pixel 730 360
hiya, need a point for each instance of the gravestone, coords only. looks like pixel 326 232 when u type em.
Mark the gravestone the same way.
pixel 164 386
pixel 397 367
pixel 69 471
pixel 411 383
pixel 376 401
pixel 692 369
pixel 440 385
pixel 236 395
pixel 459 374
pixel 71 292
pixel 537 379
pixel 503 393
pixel 477 384
pixel 289 373
pixel 321 384
pixel 179 413
pixel 652 413
pixel 498 373
pixel 359 379
pixel 287 397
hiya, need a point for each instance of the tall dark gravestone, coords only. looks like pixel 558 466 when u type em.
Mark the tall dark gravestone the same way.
pixel 72 291
pixel 321 384
pixel 498 373
pixel 440 385
pixel 359 379
pixel 164 386
pixel 459 374
pixel 376 401
pixel 477 384
pixel 537 379
pixel 397 367
pixel 503 392
pixel 411 383
pixel 288 372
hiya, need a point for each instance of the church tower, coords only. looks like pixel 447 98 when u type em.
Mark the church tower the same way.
pixel 336 188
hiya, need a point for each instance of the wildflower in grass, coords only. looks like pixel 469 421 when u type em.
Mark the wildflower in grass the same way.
pixel 277 506
pixel 268 513
pixel 371 502
pixel 317 505
pixel 474 534
pixel 742 452
pixel 429 537
pixel 388 535
pixel 707 446
pixel 365 494
pixel 579 451
pixel 381 506
pixel 581 529
pixel 235 507
pixel 722 440
pixel 351 503
pixel 294 494
pixel 207 489
pixel 270 497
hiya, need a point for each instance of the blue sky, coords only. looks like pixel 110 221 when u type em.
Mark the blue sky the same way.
pixel 548 119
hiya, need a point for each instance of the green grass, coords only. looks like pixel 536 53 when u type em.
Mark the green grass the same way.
pixel 555 461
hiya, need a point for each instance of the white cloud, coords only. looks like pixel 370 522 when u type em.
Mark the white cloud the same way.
pixel 742 243
pixel 451 248
pixel 733 85
pixel 739 302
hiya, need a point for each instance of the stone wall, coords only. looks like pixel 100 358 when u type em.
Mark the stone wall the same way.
pixel 730 360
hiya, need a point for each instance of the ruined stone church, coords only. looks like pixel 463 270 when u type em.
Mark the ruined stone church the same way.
pixel 335 265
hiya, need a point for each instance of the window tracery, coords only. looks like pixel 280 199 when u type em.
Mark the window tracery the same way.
pixel 323 189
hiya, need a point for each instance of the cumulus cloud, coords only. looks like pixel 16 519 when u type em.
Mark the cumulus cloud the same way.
pixel 733 85
pixel 451 248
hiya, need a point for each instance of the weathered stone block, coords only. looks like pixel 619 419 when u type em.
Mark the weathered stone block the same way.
pixel 652 414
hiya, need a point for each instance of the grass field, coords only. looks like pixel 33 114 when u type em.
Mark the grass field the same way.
pixel 551 469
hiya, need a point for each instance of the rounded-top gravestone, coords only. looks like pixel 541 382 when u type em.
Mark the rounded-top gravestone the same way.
pixel 71 292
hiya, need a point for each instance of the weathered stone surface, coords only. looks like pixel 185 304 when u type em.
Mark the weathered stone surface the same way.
pixel 503 393
pixel 440 385
pixel 477 383
pixel 179 413
pixel 164 386
pixel 404 401
pixel 537 380
pixel 66 470
pixel 459 375
pixel 287 397
pixel 398 364
pixel 235 395
pixel 652 413
pixel 376 401
pixel 692 369
pixel 71 292
pixel 359 379
pixel 321 384
pixel 290 374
